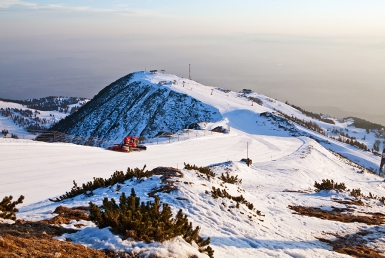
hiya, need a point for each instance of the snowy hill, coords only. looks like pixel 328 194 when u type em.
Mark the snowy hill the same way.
pixel 23 118
pixel 133 105
pixel 289 218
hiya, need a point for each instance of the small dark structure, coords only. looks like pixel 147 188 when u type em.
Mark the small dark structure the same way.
pixel 247 161
pixel 247 91
pixel 46 136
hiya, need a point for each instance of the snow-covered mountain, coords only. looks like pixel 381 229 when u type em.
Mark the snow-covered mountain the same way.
pixel 149 104
pixel 137 105
pixel 290 151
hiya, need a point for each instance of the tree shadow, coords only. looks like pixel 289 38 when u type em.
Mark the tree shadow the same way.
pixel 267 243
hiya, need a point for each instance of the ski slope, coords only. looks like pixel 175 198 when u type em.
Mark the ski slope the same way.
pixel 47 170
pixel 240 113
pixel 35 163
pixel 283 173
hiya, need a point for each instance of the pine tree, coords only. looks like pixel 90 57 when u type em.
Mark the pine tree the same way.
pixel 147 222
pixel 8 208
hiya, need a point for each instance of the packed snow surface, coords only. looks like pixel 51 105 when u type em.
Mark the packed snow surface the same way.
pixel 283 173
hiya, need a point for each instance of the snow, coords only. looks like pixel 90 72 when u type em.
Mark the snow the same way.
pixel 7 123
pixel 282 165
pixel 104 239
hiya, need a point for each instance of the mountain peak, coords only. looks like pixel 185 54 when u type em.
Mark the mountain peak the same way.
pixel 141 104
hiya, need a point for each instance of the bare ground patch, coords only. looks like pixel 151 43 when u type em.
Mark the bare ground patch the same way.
pixel 168 174
pixel 65 215
pixel 340 214
pixel 349 202
pixel 297 191
pixel 355 245
pixel 34 239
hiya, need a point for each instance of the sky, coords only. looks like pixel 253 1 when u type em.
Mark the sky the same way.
pixel 326 56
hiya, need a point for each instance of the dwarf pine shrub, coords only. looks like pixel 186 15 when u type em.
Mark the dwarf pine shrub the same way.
pixel 116 177
pixel 216 193
pixel 204 170
pixel 356 193
pixel 329 184
pixel 230 179
pixel 8 208
pixel 147 222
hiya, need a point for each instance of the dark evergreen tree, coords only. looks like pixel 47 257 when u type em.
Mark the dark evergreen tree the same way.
pixel 204 170
pixel 8 208
pixel 230 179
pixel 116 177
pixel 147 222
pixel 329 184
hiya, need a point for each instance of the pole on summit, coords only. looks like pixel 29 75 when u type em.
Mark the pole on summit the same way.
pixel 382 162
pixel 247 156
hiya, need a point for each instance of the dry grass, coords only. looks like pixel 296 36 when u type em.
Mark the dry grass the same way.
pixel 168 174
pixel 355 244
pixel 34 239
pixel 349 202
pixel 65 215
pixel 342 215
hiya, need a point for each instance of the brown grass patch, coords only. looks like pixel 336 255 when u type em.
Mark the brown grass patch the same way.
pixel 296 191
pixel 34 239
pixel 359 252
pixel 338 214
pixel 354 244
pixel 168 174
pixel 349 202
pixel 65 215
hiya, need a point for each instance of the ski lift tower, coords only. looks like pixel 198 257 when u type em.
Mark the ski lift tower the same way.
pixel 189 71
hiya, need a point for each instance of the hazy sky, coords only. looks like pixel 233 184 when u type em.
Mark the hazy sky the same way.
pixel 315 54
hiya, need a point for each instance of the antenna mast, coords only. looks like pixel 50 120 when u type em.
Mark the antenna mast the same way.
pixel 189 71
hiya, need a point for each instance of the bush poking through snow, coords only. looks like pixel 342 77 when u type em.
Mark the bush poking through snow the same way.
pixel 146 221
pixel 216 192
pixel 204 170
pixel 328 184
pixel 8 208
pixel 117 177
pixel 230 179
pixel 356 193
